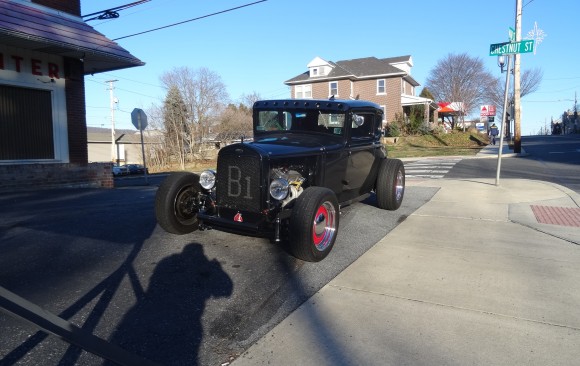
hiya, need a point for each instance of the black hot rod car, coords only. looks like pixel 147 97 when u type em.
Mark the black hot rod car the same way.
pixel 307 159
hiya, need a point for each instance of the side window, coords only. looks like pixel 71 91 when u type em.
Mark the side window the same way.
pixel 362 130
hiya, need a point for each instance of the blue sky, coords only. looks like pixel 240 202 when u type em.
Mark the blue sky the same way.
pixel 257 48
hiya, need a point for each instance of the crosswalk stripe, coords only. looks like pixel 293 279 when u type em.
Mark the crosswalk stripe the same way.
pixel 430 168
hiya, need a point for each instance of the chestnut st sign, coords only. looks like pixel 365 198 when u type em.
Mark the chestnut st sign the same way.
pixel 510 48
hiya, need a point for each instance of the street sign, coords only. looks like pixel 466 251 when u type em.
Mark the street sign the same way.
pixel 139 119
pixel 510 48
pixel 512 34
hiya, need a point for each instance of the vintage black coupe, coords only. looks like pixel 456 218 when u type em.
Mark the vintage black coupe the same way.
pixel 308 158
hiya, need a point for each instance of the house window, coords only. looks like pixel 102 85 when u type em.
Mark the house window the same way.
pixel 384 108
pixel 381 88
pixel 314 72
pixel 303 91
pixel 26 128
pixel 402 86
pixel 333 88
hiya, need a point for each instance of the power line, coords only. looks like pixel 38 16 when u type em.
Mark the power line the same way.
pixel 112 13
pixel 128 91
pixel 190 20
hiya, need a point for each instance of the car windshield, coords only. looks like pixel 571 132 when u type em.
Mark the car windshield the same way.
pixel 327 122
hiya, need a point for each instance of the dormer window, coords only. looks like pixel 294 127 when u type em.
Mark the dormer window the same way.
pixel 315 72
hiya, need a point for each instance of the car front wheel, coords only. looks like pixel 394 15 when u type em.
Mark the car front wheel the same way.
pixel 314 224
pixel 390 187
pixel 176 203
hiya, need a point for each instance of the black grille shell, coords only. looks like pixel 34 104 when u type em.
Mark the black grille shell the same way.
pixel 239 182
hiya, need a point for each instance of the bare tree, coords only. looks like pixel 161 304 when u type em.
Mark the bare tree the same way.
pixel 204 95
pixel 460 78
pixel 249 99
pixel 530 83
pixel 235 123
pixel 156 151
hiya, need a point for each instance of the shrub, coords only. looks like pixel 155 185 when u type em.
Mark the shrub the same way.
pixel 393 130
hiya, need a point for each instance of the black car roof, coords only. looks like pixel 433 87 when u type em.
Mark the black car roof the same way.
pixel 339 104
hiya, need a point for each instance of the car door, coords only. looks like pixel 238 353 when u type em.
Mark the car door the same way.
pixel 362 149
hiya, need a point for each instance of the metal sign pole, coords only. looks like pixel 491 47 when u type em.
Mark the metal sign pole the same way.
pixel 503 123
pixel 142 149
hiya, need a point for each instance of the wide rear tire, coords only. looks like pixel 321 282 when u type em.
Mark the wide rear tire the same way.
pixel 176 203
pixel 314 224
pixel 390 187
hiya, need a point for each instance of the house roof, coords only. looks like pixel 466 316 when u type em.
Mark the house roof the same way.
pixel 122 136
pixel 398 59
pixel 42 29
pixel 409 100
pixel 360 68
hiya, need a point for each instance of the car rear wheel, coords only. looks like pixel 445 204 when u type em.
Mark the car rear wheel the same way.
pixel 390 187
pixel 176 203
pixel 314 224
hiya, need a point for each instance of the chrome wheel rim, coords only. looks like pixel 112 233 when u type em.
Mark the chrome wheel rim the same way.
pixel 399 185
pixel 324 226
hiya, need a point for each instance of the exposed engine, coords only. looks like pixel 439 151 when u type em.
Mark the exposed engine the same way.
pixel 295 180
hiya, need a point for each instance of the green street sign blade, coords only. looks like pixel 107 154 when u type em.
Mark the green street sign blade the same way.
pixel 510 48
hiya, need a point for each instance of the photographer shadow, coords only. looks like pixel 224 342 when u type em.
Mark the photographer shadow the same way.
pixel 166 320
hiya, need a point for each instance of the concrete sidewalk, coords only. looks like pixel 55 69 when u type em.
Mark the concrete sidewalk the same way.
pixel 491 151
pixel 474 277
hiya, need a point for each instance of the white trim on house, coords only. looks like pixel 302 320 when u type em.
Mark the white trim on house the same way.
pixel 39 79
pixel 319 67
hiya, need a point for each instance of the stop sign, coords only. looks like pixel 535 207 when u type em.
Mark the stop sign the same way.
pixel 139 119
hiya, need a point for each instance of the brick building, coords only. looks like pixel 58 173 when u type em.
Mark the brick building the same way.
pixel 387 82
pixel 45 51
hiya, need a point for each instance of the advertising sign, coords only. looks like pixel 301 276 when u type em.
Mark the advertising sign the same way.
pixel 487 110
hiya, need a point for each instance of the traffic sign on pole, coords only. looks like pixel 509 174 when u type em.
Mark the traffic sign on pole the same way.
pixel 510 48
pixel 512 34
pixel 139 119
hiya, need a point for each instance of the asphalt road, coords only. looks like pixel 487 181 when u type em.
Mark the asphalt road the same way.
pixel 98 259
pixel 553 159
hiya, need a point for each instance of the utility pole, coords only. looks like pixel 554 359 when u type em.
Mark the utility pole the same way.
pixel 517 83
pixel 112 106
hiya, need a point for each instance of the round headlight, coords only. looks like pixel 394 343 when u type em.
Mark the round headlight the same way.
pixel 207 179
pixel 279 188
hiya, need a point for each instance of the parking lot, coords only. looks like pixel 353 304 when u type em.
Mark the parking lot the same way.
pixel 96 258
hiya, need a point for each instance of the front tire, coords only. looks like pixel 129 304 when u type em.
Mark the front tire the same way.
pixel 314 224
pixel 390 187
pixel 176 203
